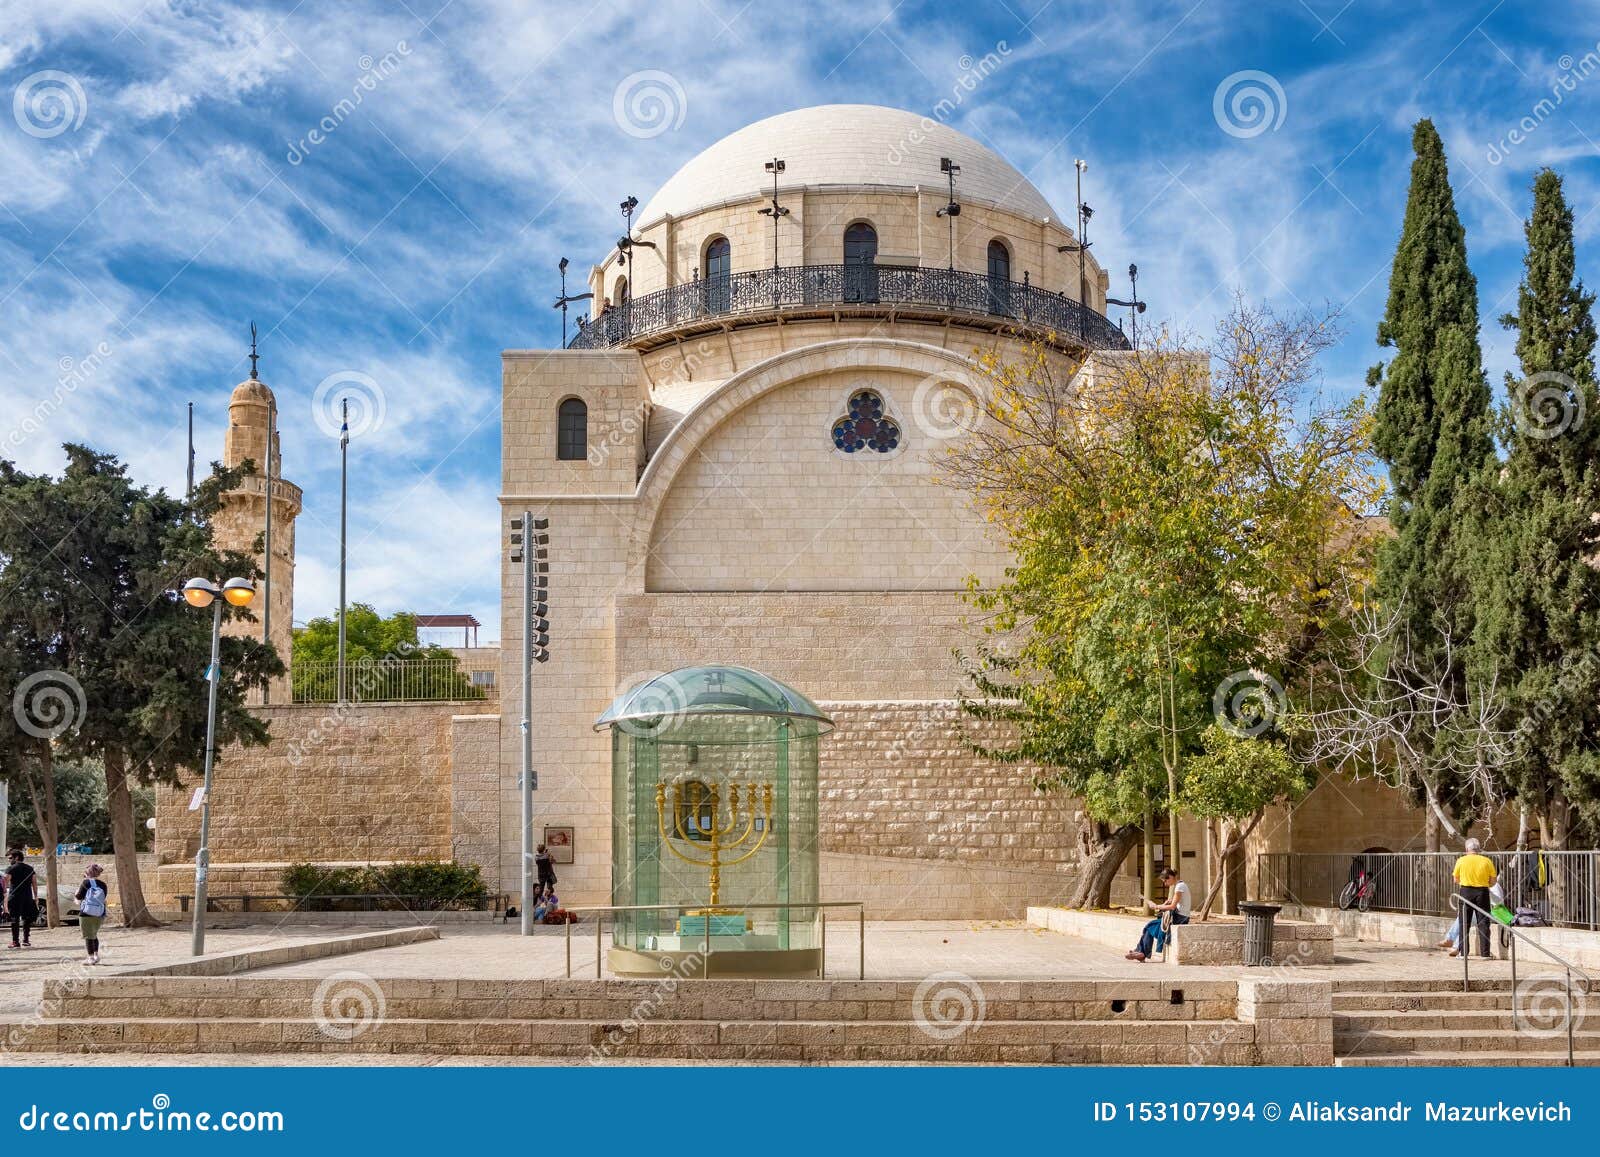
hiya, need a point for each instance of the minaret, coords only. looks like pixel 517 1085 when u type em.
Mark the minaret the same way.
pixel 252 427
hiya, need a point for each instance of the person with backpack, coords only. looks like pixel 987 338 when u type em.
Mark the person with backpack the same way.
pixel 92 911
pixel 546 867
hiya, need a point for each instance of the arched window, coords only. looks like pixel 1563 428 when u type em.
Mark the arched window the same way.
pixel 719 275
pixel 572 431
pixel 860 262
pixel 999 278
pixel 621 295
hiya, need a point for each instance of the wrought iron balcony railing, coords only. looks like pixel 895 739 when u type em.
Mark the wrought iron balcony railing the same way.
pixel 858 288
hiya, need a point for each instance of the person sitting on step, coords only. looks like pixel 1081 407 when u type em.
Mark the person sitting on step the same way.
pixel 1154 937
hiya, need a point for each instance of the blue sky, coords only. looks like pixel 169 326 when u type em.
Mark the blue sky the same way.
pixel 157 193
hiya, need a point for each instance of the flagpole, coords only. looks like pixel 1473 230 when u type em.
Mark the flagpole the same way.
pixel 344 448
pixel 188 494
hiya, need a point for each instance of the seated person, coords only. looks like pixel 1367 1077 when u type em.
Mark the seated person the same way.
pixel 545 905
pixel 1177 903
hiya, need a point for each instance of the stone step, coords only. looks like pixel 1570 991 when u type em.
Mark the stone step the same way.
pixel 1457 1020
pixel 1444 1041
pixel 1432 984
pixel 1492 1059
pixel 1022 1042
pixel 1409 1001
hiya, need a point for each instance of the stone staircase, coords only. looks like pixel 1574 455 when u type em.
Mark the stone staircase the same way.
pixel 1386 1023
pixel 947 1018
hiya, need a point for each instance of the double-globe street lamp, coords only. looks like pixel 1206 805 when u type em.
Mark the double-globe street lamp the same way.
pixel 199 592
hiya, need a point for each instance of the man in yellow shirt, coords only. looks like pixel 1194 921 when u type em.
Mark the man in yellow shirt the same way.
pixel 1474 874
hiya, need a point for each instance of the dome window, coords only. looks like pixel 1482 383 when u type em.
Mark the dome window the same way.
pixel 999 278
pixel 860 263
pixel 866 426
pixel 572 431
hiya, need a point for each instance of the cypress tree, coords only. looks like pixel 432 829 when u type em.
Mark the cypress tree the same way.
pixel 1434 431
pixel 1540 608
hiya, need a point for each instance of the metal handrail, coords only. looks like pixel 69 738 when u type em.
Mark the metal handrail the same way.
pixel 1456 900
pixel 705 950
pixel 870 286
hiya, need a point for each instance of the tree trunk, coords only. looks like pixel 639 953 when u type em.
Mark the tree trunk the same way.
pixel 1430 830
pixel 124 842
pixel 1219 868
pixel 1105 854
pixel 43 792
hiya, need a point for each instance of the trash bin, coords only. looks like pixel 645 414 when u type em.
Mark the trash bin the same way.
pixel 1258 933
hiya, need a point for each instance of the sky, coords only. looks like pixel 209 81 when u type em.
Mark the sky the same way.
pixel 161 188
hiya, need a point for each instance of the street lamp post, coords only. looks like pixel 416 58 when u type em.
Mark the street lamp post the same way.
pixel 202 593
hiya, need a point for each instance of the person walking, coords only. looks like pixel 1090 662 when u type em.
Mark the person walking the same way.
pixel 1474 875
pixel 22 899
pixel 1177 904
pixel 91 911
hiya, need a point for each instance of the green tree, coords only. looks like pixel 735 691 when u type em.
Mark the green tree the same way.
pixel 102 588
pixel 82 815
pixel 1177 524
pixel 1433 430
pixel 1232 782
pixel 1539 600
pixel 385 660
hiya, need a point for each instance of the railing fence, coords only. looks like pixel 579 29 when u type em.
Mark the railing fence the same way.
pixel 1420 883
pixel 385 680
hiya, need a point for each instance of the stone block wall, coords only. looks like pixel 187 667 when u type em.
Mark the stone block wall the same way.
pixel 366 783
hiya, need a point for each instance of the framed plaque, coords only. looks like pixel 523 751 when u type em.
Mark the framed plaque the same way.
pixel 559 843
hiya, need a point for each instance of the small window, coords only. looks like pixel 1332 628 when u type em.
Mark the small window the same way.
pixel 621 296
pixel 866 425
pixel 483 678
pixel 572 431
pixel 999 261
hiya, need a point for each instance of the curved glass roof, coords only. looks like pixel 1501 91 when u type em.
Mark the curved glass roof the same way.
pixel 713 691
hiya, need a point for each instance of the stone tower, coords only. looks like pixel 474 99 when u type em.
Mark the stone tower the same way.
pixel 252 421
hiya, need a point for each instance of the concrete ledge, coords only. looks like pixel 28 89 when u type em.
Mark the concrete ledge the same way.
pixel 1579 945
pixel 1215 942
pixel 228 963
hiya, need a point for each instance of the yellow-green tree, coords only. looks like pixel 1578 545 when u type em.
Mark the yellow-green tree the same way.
pixel 1179 517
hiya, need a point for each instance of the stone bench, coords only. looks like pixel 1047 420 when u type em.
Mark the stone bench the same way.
pixel 1222 942
pixel 1214 942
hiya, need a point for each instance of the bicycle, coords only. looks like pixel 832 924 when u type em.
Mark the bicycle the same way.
pixel 1359 890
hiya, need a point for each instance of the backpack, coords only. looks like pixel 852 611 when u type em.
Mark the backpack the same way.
pixel 94 900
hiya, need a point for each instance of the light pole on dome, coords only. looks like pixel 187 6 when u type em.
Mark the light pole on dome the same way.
pixel 202 593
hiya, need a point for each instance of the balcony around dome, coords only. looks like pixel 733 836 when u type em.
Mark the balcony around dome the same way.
pixel 760 296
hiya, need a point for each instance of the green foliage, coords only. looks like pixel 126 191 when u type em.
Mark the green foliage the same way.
pixel 1537 590
pixel 80 810
pixel 384 660
pixel 1433 431
pixel 1173 520
pixel 1235 776
pixel 423 884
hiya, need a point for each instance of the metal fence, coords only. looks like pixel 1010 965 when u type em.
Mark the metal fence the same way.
pixel 385 680
pixel 1420 882
pixel 814 286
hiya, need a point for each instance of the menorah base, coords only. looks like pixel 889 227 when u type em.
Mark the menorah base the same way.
pixel 728 964
pixel 723 923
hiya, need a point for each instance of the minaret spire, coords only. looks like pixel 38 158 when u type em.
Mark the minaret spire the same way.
pixel 254 357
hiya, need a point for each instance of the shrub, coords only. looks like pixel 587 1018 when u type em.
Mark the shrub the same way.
pixel 425 885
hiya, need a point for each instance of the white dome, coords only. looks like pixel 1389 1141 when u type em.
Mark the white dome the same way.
pixel 845 144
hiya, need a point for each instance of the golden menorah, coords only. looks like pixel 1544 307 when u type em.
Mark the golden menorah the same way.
pixel 707 803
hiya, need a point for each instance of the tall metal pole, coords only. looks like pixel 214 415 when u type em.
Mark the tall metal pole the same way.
pixel 266 607
pixel 188 493
pixel 1083 232
pixel 528 555
pixel 344 448
pixel 202 859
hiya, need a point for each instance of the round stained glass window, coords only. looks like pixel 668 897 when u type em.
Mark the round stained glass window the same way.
pixel 865 425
